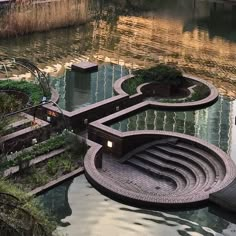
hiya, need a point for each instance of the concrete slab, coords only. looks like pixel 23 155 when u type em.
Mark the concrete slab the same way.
pixel 85 66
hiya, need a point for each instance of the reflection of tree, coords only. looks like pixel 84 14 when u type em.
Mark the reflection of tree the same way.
pixel 220 22
pixel 56 200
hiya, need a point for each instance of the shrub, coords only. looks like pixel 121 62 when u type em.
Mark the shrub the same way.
pixel 161 73
pixel 52 167
pixel 32 90
pixel 76 145
pixel 18 208
pixel 37 150
pixel 9 103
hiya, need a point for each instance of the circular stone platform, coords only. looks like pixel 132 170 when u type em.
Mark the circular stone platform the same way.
pixel 172 170
pixel 204 102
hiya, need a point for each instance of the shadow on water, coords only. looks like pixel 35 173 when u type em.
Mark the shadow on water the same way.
pixel 219 22
pixel 84 206
pixel 56 202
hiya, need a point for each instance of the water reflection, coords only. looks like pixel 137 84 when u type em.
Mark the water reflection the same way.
pixel 140 33
pixel 196 35
pixel 94 214
pixel 220 20
pixel 77 90
pixel 82 89
pixel 214 124
pixel 56 202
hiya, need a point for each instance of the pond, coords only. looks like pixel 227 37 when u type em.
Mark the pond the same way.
pixel 81 210
pixel 77 89
pixel 199 37
pixel 215 124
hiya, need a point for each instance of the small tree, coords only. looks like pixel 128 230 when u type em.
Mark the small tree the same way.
pixel 161 73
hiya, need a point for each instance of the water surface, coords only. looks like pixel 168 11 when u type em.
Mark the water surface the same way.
pixel 197 35
pixel 215 124
pixel 79 90
pixel 81 210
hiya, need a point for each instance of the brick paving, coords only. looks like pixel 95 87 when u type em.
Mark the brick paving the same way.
pixel 162 174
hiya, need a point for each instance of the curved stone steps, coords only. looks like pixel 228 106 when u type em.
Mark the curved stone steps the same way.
pixel 190 179
pixel 212 160
pixel 166 178
pixel 190 170
pixel 169 175
pixel 202 165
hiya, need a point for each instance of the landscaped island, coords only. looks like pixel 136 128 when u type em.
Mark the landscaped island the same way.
pixel 166 84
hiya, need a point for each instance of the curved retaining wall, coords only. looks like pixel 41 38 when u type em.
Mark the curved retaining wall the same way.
pixel 93 166
pixel 209 100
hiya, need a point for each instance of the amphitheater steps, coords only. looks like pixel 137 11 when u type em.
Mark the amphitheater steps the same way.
pixel 159 173
pixel 204 166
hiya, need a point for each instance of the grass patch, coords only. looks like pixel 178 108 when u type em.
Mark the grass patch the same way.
pixel 47 171
pixel 31 177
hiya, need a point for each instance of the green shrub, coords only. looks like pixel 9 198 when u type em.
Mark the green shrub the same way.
pixel 161 73
pixel 3 124
pixel 39 179
pixel 66 165
pixel 76 145
pixel 52 166
pixel 37 150
pixel 9 103
pixel 32 90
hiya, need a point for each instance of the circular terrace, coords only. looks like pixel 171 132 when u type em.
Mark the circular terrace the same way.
pixel 185 101
pixel 169 170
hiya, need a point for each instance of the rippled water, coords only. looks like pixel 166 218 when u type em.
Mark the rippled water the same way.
pixel 197 35
pixel 84 211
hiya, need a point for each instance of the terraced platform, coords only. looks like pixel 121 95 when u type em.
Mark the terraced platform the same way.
pixel 166 172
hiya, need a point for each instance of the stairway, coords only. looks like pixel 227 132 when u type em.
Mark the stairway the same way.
pixel 189 167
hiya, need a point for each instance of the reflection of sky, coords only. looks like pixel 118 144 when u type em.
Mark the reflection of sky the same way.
pixel 94 214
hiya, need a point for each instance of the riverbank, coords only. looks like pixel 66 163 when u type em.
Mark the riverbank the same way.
pixel 17 18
